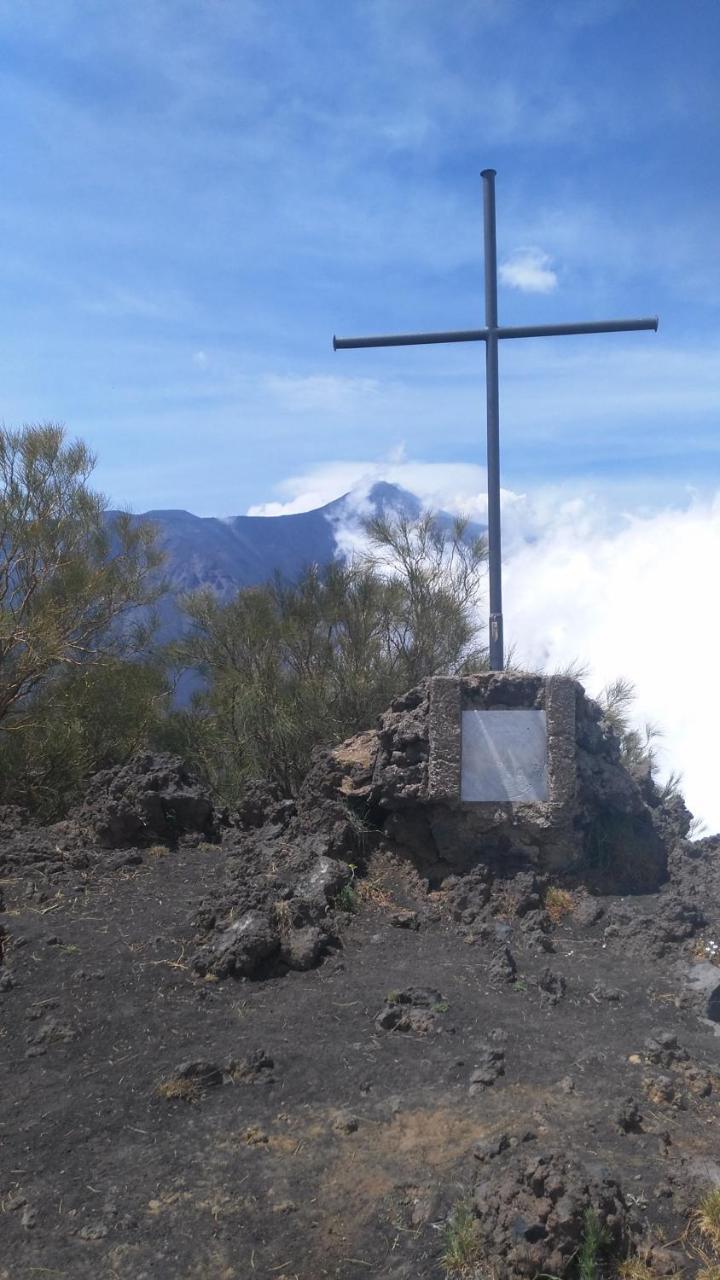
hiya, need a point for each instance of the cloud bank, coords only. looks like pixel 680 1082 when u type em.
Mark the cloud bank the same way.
pixel 638 600
pixel 585 582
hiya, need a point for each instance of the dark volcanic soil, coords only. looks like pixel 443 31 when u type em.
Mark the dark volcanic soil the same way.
pixel 158 1123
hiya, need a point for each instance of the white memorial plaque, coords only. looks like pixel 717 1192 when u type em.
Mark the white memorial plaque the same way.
pixel 504 756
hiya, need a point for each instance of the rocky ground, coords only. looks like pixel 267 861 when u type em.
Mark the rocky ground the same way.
pixel 271 1044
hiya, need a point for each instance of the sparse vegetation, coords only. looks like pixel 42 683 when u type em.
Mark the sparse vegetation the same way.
pixel 346 899
pixel 373 892
pixel 594 1244
pixel 283 916
pixel 638 746
pixel 707 949
pixel 463 1243
pixel 179 1088
pixel 706 1218
pixel 558 903
pixel 635 1269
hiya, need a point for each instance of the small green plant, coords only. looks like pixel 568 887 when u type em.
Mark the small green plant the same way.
pixel 594 1243
pixel 362 829
pixel 346 900
pixel 463 1240
pixel 441 1007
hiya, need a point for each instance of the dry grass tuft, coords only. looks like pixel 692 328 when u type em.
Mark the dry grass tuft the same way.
pixel 706 1218
pixel 282 916
pixel 707 949
pixel 635 1269
pixel 558 903
pixel 256 1137
pixel 373 893
pixel 158 850
pixel 178 1088
pixel 505 904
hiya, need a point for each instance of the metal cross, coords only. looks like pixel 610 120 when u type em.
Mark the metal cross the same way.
pixel 490 336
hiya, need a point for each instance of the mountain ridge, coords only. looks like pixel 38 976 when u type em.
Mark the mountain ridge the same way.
pixel 227 554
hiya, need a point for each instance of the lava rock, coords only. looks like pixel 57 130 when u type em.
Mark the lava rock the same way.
pixel 552 987
pixel 532 1212
pixel 415 1009
pixel 207 1074
pixel 302 948
pixel 629 1117
pixel 152 798
pixel 503 966
pixel 240 948
pixel 404 920
pixel 490 1065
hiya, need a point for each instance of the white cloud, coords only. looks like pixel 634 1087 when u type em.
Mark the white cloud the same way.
pixel 530 271
pixel 637 600
pixel 584 582
pixel 452 486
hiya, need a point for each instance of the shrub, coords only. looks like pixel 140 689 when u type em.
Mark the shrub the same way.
pixel 67 581
pixel 291 666
pixel 71 701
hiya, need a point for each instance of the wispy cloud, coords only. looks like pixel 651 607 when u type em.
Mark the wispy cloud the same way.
pixel 122 303
pixel 529 270
pixel 323 392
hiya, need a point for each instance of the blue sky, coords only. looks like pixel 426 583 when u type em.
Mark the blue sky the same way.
pixel 196 195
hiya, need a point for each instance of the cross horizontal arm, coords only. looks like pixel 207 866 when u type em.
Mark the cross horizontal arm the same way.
pixel 503 331
pixel 411 339
pixel 590 326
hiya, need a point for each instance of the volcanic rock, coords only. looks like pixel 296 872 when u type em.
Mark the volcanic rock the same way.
pixel 534 1210
pixel 152 798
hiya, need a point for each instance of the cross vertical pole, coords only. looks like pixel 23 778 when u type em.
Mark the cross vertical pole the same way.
pixel 491 335
pixel 493 424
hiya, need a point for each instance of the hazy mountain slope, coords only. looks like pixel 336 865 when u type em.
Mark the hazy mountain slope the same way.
pixel 242 551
